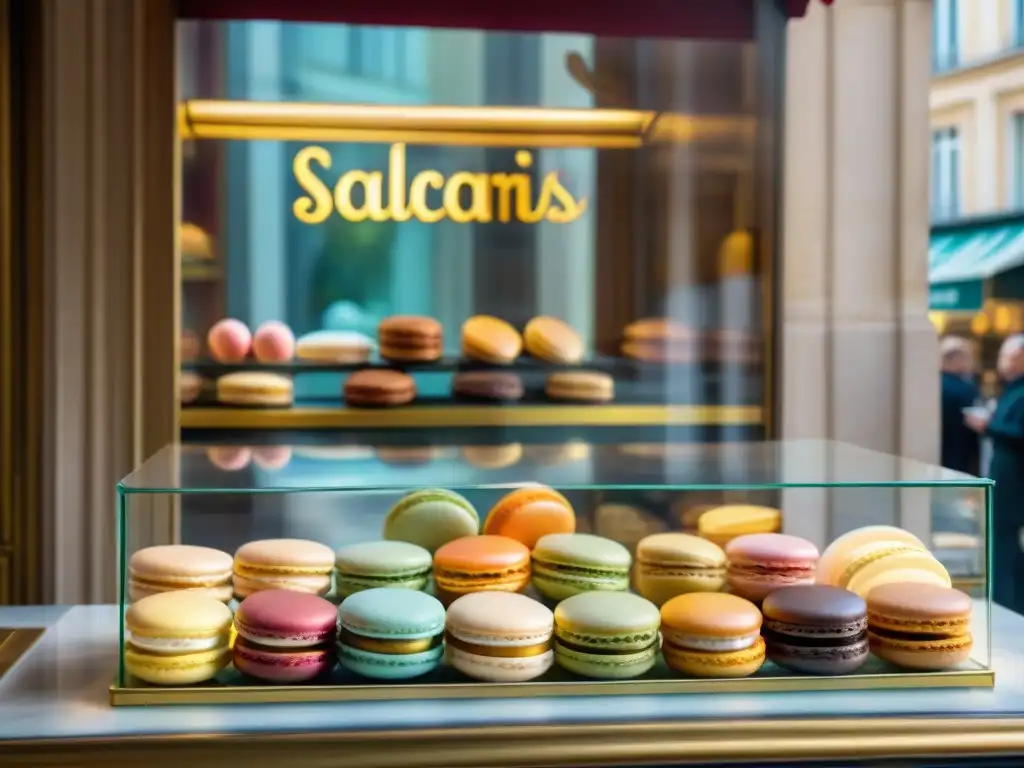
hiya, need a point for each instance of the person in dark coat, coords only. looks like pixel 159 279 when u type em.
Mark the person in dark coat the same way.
pixel 960 444
pixel 1005 428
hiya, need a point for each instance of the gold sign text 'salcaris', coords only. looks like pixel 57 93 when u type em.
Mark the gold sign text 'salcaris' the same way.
pixel 491 196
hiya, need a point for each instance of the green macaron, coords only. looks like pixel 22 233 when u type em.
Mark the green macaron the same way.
pixel 607 635
pixel 431 518
pixel 373 564
pixel 566 564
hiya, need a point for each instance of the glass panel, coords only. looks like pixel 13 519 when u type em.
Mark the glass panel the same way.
pixel 596 180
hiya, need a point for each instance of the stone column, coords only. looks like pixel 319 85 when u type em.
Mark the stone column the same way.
pixel 858 355
pixel 101 209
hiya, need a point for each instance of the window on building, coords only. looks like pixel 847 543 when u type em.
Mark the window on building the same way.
pixel 945 37
pixel 1017 10
pixel 1017 161
pixel 945 189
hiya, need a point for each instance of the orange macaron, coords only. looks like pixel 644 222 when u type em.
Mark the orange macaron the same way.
pixel 480 564
pixel 527 514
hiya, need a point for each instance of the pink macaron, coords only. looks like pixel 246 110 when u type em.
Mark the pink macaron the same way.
pixel 284 636
pixel 760 563
pixel 273 342
pixel 229 341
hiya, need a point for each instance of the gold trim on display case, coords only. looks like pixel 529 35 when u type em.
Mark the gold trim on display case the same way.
pixel 294 694
pixel 460 126
pixel 508 746
pixel 15 643
pixel 472 416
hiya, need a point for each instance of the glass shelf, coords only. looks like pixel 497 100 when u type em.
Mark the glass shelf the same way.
pixel 578 465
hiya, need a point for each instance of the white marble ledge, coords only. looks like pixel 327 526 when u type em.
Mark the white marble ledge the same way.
pixel 59 690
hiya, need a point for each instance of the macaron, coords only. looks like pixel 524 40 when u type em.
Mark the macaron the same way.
pixel 553 340
pixel 284 636
pixel 869 557
pixel 919 626
pixel 173 567
pixel 670 564
pixel 272 457
pixel 379 388
pixel 480 564
pixel 229 458
pixel 580 387
pixel 255 388
pixel 374 564
pixel 760 563
pixel 177 638
pixel 499 637
pixel 527 514
pixel 723 524
pixel 273 342
pixel 488 386
pixel 490 340
pixel 708 634
pixel 190 387
pixel 390 634
pixel 431 518
pixel 410 339
pixel 229 341
pixel 294 564
pixel 815 629
pixel 607 635
pixel 492 456
pixel 659 340
pixel 566 564
pixel 334 347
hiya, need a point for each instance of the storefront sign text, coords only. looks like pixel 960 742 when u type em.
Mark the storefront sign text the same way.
pixel 463 197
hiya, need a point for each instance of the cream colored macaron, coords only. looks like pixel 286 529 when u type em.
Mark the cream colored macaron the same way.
pixel 580 386
pixel 255 388
pixel 334 347
pixel 866 543
pixel 295 564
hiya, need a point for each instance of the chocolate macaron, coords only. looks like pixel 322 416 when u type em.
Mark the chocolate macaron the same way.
pixel 410 339
pixel 815 629
pixel 378 388
pixel 493 386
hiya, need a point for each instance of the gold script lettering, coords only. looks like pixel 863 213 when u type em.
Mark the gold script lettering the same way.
pixel 316 205
pixel 513 193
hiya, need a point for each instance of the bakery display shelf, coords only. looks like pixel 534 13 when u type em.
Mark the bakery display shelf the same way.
pixel 619 367
pixel 232 688
pixel 337 416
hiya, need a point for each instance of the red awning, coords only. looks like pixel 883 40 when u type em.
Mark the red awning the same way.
pixel 722 19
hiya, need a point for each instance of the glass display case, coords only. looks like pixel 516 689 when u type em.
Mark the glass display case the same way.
pixel 610 197
pixel 888 521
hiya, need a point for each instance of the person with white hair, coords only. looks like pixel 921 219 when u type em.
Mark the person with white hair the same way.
pixel 961 446
pixel 1005 428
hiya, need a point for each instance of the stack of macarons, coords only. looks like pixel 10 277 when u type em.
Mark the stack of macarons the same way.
pixel 410 339
pixel 291 564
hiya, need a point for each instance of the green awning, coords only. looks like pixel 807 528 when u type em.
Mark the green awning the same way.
pixel 975 254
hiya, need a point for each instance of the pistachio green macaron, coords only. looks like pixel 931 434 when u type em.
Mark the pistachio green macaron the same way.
pixel 396 564
pixel 431 518
pixel 566 564
pixel 607 635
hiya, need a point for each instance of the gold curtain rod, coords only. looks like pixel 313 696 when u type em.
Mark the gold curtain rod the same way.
pixel 459 126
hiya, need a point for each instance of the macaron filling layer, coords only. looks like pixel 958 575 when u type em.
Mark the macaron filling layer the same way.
pixel 175 645
pixel 181 582
pixel 280 639
pixel 677 569
pixel 489 579
pixel 711 644
pixel 257 572
pixel 310 657
pixel 577 575
pixel 771 572
pixel 872 553
pixel 792 631
pixel 388 646
pixel 369 581
pixel 611 644
pixel 509 649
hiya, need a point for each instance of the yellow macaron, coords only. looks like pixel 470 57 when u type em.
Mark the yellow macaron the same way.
pixel 580 386
pixel 553 340
pixel 490 340
pixel 723 524
pixel 177 638
pixel 257 388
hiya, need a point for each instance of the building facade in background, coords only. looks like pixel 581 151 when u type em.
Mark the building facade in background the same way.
pixel 976 255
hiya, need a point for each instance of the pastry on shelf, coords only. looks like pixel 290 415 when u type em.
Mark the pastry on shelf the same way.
pixel 490 340
pixel 659 340
pixel 334 347
pixel 553 341
pixel 194 242
pixel 229 341
pixel 255 389
pixel 273 342
pixel 379 388
pixel 490 386
pixel 229 458
pixel 492 456
pixel 190 387
pixel 410 339
pixel 271 457
pixel 580 387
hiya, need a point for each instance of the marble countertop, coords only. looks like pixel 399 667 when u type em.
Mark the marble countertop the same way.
pixel 59 689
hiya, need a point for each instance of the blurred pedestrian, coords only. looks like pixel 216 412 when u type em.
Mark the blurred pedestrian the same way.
pixel 960 443
pixel 1005 428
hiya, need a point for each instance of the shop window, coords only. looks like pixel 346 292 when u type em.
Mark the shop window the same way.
pixel 945 185
pixel 1016 166
pixel 945 35
pixel 1017 30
